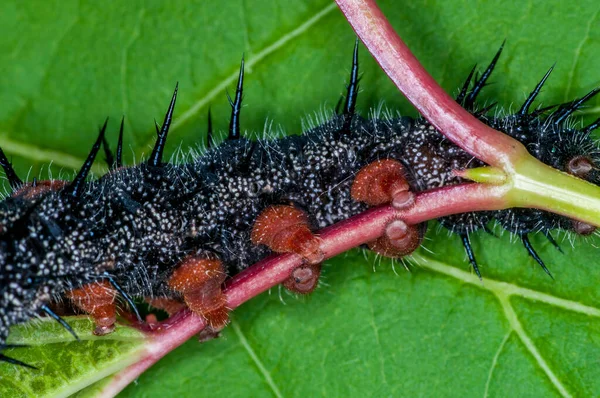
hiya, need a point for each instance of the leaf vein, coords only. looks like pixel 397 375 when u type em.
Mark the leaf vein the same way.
pixel 18 386
pixel 495 363
pixel 265 373
pixel 516 326
pixel 41 155
pixel 578 49
pixel 251 62
pixel 504 288
pixel 375 329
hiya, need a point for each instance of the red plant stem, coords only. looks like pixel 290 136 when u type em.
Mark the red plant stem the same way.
pixel 440 109
pixel 423 92
pixel 364 228
pixel 336 239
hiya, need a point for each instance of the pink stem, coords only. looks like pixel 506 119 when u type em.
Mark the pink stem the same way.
pixel 336 239
pixel 440 109
pixel 423 92
pixel 364 228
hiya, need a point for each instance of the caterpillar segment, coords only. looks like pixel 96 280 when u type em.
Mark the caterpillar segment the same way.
pixel 523 125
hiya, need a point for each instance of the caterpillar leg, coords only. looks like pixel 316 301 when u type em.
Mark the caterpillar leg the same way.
pixel 98 300
pixel 303 279
pixel 399 240
pixel 381 182
pixel 198 279
pixel 285 229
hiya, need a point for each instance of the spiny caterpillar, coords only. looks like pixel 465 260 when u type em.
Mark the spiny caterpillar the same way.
pixel 172 233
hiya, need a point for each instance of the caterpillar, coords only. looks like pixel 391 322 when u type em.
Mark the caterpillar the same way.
pixel 172 233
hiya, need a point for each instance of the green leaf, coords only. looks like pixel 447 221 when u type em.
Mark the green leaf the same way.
pixel 64 365
pixel 434 331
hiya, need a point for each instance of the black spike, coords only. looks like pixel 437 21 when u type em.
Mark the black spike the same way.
pixel 552 241
pixel 467 244
pixel 236 106
pixel 76 187
pixel 156 156
pixel 591 127
pixel 352 93
pixel 123 294
pixel 480 82
pixel 12 177
pixel 109 157
pixel 533 254
pixel 460 98
pixel 525 108
pixel 7 346
pixel 34 182
pixel 119 159
pixel 209 133
pixel 566 110
pixel 58 319
pixel 12 361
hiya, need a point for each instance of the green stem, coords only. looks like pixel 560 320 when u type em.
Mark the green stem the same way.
pixel 532 183
pixel 538 185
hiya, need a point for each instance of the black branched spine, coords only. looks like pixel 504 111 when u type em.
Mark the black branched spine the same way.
pixel 157 153
pixel 236 106
pixel 12 177
pixel 78 185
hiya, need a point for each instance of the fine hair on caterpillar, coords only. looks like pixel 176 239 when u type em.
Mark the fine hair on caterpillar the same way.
pixel 172 233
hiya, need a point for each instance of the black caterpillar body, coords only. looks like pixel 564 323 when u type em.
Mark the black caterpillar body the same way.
pixel 135 224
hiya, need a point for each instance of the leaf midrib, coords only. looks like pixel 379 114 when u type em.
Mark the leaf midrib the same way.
pixel 40 155
pixel 503 291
